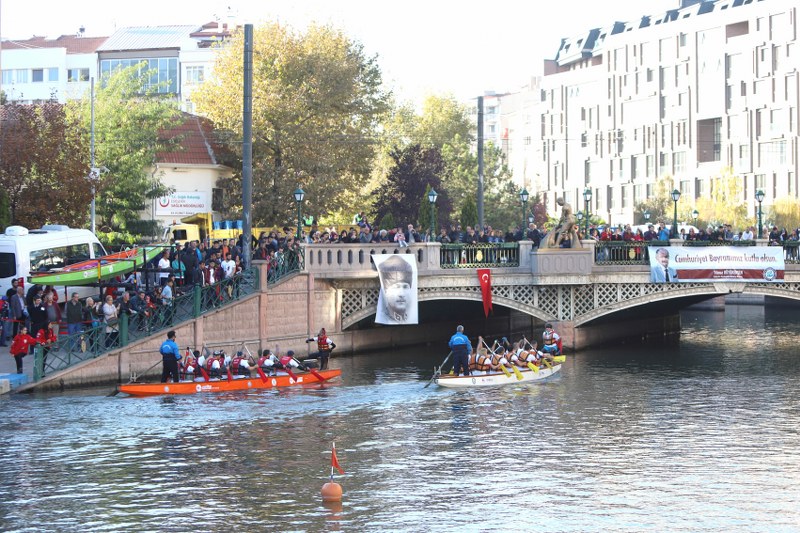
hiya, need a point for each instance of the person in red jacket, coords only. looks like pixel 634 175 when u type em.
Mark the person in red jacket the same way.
pixel 20 346
pixel 47 338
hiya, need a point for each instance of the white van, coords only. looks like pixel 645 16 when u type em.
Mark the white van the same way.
pixel 23 251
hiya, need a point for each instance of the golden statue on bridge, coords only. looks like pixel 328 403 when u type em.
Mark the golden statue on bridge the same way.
pixel 565 234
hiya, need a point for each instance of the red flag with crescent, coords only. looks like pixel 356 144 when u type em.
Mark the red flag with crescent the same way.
pixel 485 277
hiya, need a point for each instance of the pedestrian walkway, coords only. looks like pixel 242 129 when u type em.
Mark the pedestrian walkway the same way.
pixel 9 366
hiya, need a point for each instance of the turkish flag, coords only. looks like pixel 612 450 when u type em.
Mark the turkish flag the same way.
pixel 485 277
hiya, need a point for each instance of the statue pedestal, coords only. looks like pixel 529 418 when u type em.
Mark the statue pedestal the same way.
pixel 562 265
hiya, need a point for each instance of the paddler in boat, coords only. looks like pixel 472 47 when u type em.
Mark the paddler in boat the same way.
pixel 190 364
pixel 268 362
pixel 239 365
pixel 480 360
pixel 215 365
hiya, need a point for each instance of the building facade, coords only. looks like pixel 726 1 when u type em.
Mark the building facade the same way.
pixel 709 86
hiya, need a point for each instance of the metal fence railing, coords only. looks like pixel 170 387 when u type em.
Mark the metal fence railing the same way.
pixel 92 342
pixel 479 255
pixel 283 264
pixel 635 253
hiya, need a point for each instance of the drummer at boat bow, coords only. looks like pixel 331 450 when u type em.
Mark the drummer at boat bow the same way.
pixel 170 354
pixel 461 347
pixel 550 340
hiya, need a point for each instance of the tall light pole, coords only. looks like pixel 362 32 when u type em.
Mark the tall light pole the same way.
pixel 579 216
pixel 646 216
pixel 695 214
pixel 523 196
pixel 676 195
pixel 432 196
pixel 760 198
pixel 299 194
pixel 587 208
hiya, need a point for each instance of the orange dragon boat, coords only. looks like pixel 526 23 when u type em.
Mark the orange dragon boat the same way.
pixel 236 384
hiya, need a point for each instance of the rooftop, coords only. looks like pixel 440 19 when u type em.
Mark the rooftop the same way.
pixel 73 43
pixel 197 145
pixel 147 38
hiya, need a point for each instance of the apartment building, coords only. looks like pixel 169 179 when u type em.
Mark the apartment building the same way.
pixel 706 86
pixel 41 69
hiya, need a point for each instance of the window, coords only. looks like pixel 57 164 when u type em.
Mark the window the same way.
pixel 663 163
pixel 699 188
pixel 22 76
pixel 651 166
pixel 761 181
pixel 792 190
pixel 626 193
pixel 77 74
pixel 682 40
pixel 163 72
pixel 50 258
pixel 37 75
pixel 8 264
pixel 678 163
pixel 686 187
pixel 8 77
pixel 52 74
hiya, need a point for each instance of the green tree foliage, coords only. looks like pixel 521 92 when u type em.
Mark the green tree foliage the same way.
pixel 43 165
pixel 415 169
pixel 469 213
pixel 785 213
pixel 317 101
pixel 128 125
pixel 722 205
pixel 660 204
pixel 425 217
pixel 5 212
pixel 387 222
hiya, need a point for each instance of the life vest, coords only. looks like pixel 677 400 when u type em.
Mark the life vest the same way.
pixel 262 361
pixel 235 362
pixel 189 361
pixel 499 358
pixel 472 363
pixel 549 337
pixel 482 363
pixel 323 343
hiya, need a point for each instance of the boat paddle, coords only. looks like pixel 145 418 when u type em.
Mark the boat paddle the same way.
pixel 534 368
pixel 438 371
pixel 516 372
pixel 313 372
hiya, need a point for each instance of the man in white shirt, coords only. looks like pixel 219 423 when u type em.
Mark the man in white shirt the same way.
pixel 228 266
pixel 747 235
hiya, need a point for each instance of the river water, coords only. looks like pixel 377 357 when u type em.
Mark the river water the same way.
pixel 697 434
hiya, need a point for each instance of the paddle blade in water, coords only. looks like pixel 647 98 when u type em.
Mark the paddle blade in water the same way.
pixel 559 358
pixel 517 372
pixel 534 368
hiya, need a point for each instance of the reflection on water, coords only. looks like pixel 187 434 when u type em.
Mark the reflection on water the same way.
pixel 697 435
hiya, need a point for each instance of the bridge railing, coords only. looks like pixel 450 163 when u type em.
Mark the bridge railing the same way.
pixel 338 259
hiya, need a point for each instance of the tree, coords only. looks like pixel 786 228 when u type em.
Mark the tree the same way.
pixel 723 203
pixel 425 219
pixel 130 115
pixel 660 205
pixel 415 169
pixel 785 213
pixel 5 213
pixel 43 165
pixel 317 101
pixel 469 213
pixel 539 211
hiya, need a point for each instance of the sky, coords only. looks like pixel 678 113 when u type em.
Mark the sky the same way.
pixel 462 48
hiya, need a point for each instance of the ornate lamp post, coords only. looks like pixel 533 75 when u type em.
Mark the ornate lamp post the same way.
pixel 760 198
pixel 695 214
pixel 676 195
pixel 299 194
pixel 587 208
pixel 432 196
pixel 646 216
pixel 579 216
pixel 523 196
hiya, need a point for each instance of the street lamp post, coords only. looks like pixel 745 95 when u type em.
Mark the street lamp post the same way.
pixel 695 214
pixel 579 216
pixel 299 194
pixel 676 195
pixel 646 215
pixel 587 208
pixel 760 198
pixel 432 195
pixel 523 196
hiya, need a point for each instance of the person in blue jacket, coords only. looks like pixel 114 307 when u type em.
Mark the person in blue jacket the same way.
pixel 461 347
pixel 170 354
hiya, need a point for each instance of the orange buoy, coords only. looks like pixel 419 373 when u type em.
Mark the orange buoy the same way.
pixel 331 492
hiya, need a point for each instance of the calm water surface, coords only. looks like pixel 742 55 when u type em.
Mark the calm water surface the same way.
pixel 700 434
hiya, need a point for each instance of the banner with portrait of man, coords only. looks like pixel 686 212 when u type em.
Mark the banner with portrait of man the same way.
pixel 397 300
pixel 711 264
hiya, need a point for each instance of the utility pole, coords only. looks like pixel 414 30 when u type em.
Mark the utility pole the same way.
pixel 247 145
pixel 480 161
pixel 94 175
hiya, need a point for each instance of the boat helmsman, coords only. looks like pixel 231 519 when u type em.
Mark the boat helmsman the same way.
pixel 462 348
pixel 550 340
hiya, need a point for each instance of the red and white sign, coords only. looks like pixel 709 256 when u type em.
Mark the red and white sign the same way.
pixel 183 204
pixel 685 264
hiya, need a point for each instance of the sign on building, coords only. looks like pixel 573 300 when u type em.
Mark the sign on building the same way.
pixel 180 204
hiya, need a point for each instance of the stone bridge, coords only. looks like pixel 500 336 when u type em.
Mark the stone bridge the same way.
pixel 576 288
